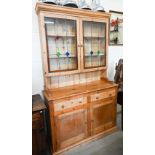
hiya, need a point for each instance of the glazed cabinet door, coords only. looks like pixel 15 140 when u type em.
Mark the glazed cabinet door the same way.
pixel 94 44
pixel 103 116
pixel 60 40
pixel 70 128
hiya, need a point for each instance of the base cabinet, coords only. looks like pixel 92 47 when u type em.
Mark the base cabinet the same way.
pixel 81 117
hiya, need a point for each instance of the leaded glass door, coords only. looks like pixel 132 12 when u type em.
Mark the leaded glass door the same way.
pixel 61 44
pixel 94 44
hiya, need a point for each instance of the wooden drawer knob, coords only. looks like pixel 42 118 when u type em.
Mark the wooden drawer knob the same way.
pixel 62 106
pixel 110 94
pixel 97 98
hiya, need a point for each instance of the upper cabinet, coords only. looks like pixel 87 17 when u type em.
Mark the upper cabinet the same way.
pixel 74 42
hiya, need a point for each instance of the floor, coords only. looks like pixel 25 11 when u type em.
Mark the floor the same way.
pixel 109 145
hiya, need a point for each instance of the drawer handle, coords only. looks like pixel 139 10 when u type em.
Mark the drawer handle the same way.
pixel 62 106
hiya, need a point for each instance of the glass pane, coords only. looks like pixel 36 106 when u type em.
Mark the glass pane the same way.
pixel 94 44
pixel 61 44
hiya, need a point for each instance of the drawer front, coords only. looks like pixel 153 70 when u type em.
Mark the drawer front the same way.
pixel 103 95
pixel 58 106
pixel 37 124
pixel 36 116
pixel 37 120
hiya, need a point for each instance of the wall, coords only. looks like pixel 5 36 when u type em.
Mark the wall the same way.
pixel 115 52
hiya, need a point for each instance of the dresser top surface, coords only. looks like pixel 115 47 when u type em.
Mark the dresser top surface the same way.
pixel 79 89
pixel 69 10
pixel 37 103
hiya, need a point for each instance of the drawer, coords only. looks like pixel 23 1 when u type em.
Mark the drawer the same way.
pixel 58 106
pixel 37 115
pixel 37 120
pixel 37 124
pixel 103 95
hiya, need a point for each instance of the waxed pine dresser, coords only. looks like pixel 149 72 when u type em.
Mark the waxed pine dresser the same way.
pixel 80 99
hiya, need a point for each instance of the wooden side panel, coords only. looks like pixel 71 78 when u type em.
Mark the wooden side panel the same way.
pixel 71 128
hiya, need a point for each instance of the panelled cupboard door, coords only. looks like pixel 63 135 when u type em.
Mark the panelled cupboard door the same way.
pixel 103 116
pixel 94 44
pixel 61 44
pixel 71 127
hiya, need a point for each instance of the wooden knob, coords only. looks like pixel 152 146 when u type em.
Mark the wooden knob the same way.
pixel 62 106
pixel 110 94
pixel 97 97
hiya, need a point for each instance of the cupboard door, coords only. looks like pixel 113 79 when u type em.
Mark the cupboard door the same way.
pixel 103 116
pixel 94 44
pixel 71 128
pixel 61 44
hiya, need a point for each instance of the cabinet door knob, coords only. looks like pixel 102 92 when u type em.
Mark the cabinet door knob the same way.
pixel 41 112
pixel 97 98
pixel 110 94
pixel 62 106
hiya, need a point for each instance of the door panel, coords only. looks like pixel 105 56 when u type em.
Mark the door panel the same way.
pixel 93 44
pixel 103 117
pixel 61 34
pixel 71 128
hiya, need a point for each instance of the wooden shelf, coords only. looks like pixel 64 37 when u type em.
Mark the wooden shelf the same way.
pixel 94 37
pixel 88 55
pixel 114 31
pixel 62 56
pixel 54 35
